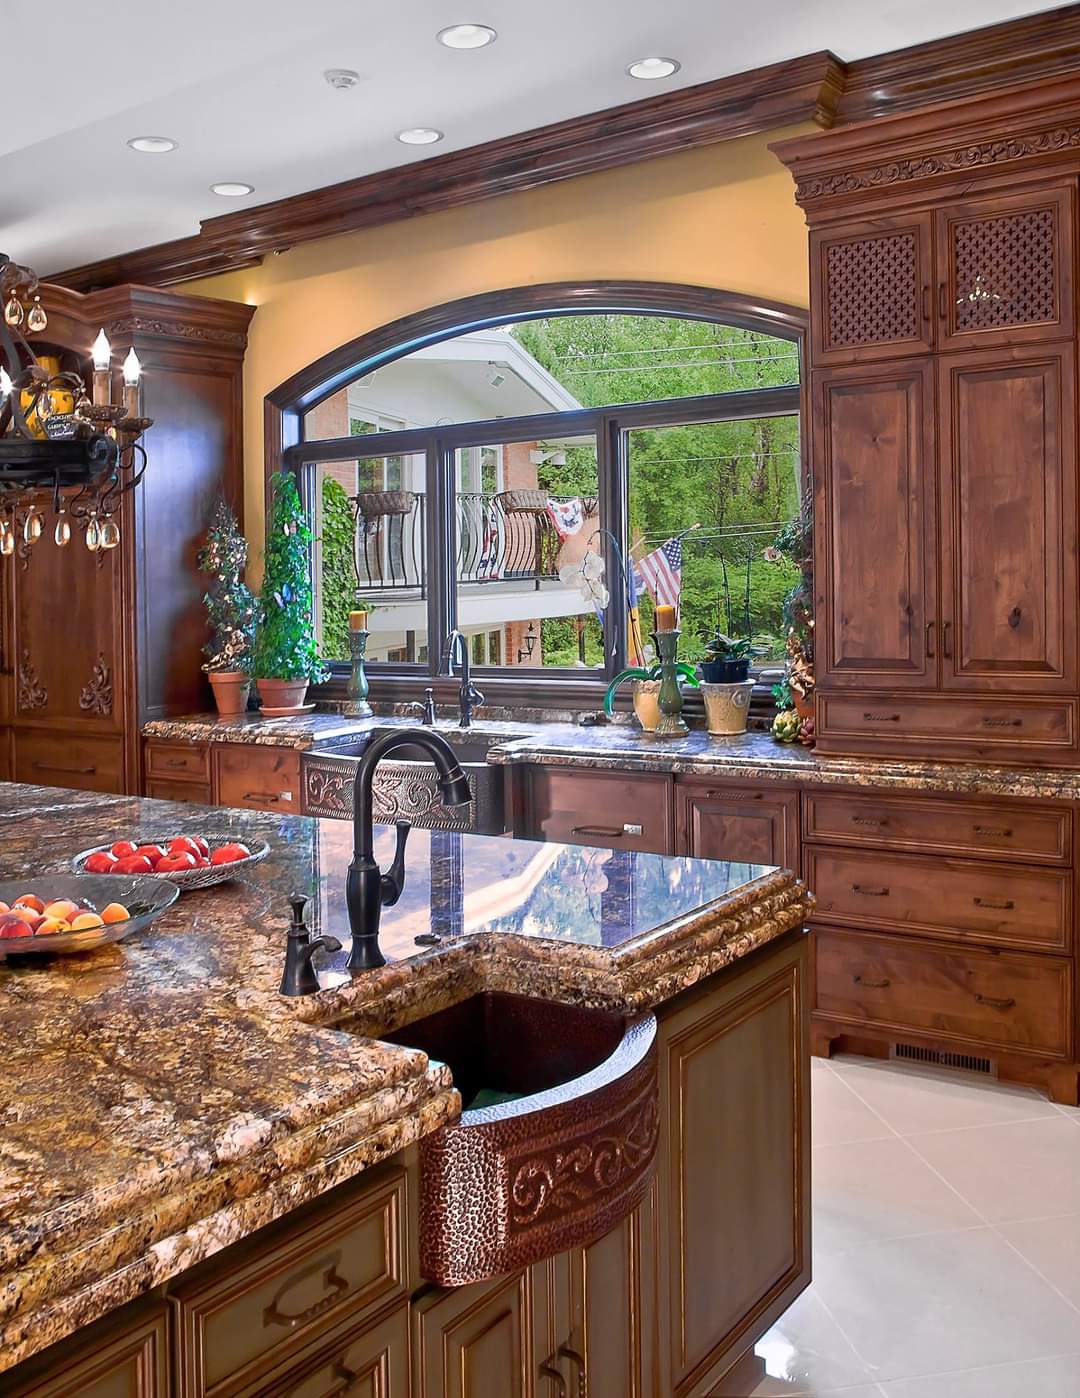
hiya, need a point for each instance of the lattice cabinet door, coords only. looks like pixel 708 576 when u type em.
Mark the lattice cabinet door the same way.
pixel 871 290
pixel 1006 269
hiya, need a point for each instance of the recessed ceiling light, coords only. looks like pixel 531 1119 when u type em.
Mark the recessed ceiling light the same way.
pixel 649 69
pixel 420 136
pixel 467 36
pixel 153 145
pixel 232 189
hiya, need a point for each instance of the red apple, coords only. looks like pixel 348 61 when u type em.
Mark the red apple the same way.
pixel 204 848
pixel 123 848
pixel 175 863
pixel 229 854
pixel 151 852
pixel 133 864
pixel 101 863
pixel 184 844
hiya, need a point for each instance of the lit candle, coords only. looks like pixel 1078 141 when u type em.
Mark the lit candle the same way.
pixel 101 353
pixel 358 621
pixel 5 383
pixel 665 618
pixel 132 370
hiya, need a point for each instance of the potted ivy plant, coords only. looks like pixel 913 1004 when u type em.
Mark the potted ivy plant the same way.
pixel 726 659
pixel 286 658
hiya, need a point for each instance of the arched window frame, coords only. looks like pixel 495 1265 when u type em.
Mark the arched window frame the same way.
pixel 285 448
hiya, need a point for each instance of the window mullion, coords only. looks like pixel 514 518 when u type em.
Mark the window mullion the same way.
pixel 441 540
pixel 612 485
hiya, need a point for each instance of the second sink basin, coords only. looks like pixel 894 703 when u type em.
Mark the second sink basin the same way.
pixel 557 1138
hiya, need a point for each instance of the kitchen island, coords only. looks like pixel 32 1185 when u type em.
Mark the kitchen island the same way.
pixel 175 1130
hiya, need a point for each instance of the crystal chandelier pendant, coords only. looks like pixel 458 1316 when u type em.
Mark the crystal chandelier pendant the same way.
pixel 33 527
pixel 93 535
pixel 13 311
pixel 37 320
pixel 62 532
pixel 110 533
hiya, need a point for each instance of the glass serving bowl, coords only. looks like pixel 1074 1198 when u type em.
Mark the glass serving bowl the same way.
pixel 145 896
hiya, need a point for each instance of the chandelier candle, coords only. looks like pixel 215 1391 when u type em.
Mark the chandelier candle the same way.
pixel 101 353
pixel 132 370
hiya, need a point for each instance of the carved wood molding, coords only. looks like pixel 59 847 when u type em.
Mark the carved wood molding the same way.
pixel 177 329
pixel 32 695
pixel 96 696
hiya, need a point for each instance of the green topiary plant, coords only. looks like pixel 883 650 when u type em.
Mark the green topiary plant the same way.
pixel 338 569
pixel 285 646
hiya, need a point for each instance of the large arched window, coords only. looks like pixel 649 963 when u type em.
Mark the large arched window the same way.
pixel 461 465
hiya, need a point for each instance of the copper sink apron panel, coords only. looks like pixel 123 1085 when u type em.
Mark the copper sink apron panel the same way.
pixel 509 1185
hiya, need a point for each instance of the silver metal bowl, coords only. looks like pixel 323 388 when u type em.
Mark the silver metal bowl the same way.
pixel 145 896
pixel 184 879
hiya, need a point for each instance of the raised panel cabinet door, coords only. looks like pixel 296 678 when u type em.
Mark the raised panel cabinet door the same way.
pixel 1006 269
pixel 738 823
pixel 876 573
pixel 734 1165
pixel 130 1364
pixel 871 290
pixel 1008 521
pixel 488 1340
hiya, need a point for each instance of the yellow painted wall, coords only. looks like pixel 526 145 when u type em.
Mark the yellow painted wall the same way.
pixel 722 216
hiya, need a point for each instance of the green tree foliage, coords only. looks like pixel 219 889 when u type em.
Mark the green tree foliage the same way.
pixel 285 646
pixel 738 480
pixel 338 572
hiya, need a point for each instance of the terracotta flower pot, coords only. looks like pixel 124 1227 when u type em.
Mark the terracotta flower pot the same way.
pixel 231 689
pixel 281 694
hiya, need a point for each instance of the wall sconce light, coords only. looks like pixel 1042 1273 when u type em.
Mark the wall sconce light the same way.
pixel 530 644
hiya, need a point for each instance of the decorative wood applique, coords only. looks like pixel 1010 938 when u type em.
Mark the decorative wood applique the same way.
pixel 97 696
pixel 211 334
pixel 32 695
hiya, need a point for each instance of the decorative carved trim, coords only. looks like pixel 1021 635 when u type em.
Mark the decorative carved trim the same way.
pixel 96 697
pixel 32 695
pixel 177 329
pixel 958 160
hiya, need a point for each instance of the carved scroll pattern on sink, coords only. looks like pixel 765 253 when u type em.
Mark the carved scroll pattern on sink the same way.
pixel 570 1178
pixel 396 795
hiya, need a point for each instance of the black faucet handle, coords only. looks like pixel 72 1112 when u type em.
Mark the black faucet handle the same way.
pixel 298 902
pixel 393 881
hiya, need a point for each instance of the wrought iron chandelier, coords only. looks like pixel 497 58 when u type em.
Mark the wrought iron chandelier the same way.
pixel 55 437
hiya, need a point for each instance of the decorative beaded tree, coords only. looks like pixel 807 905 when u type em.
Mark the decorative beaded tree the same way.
pixel 230 606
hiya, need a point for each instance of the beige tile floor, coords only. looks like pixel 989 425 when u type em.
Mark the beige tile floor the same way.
pixel 946 1242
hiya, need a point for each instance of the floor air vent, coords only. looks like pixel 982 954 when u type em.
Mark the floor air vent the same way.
pixel 915 1053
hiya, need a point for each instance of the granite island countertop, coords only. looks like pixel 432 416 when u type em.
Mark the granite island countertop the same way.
pixel 160 1100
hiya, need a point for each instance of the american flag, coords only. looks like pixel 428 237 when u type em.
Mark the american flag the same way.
pixel 661 572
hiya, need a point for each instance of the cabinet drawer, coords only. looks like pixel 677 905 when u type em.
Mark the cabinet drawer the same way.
pixel 263 779
pixel 943 897
pixel 241 1319
pixel 947 724
pixel 606 809
pixel 1001 999
pixel 369 1362
pixel 747 825
pixel 178 760
pixel 162 789
pixel 56 759
pixel 995 831
pixel 130 1364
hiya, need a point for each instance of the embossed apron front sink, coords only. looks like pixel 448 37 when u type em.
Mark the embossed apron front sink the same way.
pixel 557 1137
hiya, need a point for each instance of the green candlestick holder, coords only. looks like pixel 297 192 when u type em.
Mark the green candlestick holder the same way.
pixel 357 690
pixel 669 700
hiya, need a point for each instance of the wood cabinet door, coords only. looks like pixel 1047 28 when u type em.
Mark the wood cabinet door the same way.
pixel 870 290
pixel 1006 269
pixel 741 823
pixel 734 1166
pixel 875 564
pixel 133 1363
pixel 489 1340
pixel 1008 520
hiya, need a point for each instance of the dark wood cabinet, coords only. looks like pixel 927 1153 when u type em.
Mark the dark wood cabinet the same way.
pixel 739 822
pixel 128 1358
pixel 94 645
pixel 1008 520
pixel 876 569
pixel 611 810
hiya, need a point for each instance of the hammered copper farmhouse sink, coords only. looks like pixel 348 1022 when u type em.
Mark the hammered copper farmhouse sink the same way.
pixel 557 1136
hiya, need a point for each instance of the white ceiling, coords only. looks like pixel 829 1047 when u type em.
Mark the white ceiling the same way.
pixel 239 84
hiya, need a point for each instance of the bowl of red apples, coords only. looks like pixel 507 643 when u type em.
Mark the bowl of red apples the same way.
pixel 188 861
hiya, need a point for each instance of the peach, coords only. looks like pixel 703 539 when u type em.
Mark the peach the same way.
pixel 115 912
pixel 13 926
pixel 84 921
pixel 49 926
pixel 63 908
pixel 29 900
pixel 4 908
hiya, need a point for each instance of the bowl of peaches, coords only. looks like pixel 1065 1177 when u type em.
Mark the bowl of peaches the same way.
pixel 188 861
pixel 77 912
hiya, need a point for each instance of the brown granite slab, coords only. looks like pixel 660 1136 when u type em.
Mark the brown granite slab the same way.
pixel 160 1100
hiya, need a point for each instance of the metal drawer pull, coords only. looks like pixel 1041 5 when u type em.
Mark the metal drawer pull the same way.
pixel 734 795
pixel 578 1361
pixel 1003 723
pixel 930 627
pixel 1005 904
pixel 547 1370
pixel 869 820
pixel 993 830
pixel 872 985
pixel 270 798
pixel 347 1380
pixel 869 892
pixel 336 1288
pixel 72 771
pixel 871 717
pixel 177 762
pixel 946 637
pixel 613 832
pixel 993 1003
